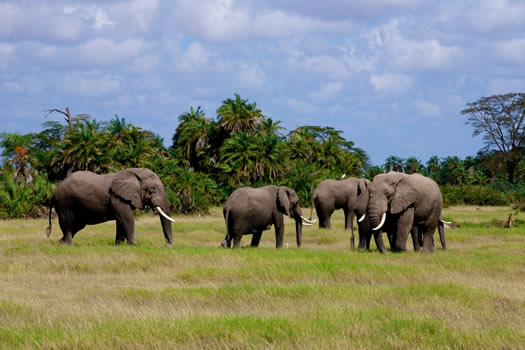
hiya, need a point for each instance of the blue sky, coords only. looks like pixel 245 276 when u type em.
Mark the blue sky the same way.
pixel 393 75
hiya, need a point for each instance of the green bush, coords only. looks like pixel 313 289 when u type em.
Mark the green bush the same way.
pixel 498 194
pixel 20 200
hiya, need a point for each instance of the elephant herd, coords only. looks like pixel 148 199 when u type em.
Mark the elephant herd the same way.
pixel 395 203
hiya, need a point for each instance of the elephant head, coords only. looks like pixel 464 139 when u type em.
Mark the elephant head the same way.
pixel 390 193
pixel 288 203
pixel 141 188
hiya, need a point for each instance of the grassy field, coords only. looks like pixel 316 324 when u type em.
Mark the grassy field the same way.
pixel 196 295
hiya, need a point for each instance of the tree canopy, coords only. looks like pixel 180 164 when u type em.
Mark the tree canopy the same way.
pixel 500 119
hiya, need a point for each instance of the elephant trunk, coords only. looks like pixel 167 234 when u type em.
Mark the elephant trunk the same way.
pixel 299 231
pixel 166 228
pixel 165 220
pixel 376 213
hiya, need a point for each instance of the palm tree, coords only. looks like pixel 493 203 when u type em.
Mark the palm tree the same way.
pixel 452 171
pixel 191 135
pixel 413 165
pixel 86 148
pixel 238 115
pixel 393 163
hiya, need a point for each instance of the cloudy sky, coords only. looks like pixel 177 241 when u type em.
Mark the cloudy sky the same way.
pixel 393 75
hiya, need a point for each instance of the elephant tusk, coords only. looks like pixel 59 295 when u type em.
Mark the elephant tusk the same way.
pixel 307 224
pixel 381 223
pixel 445 222
pixel 308 221
pixel 164 215
pixel 362 218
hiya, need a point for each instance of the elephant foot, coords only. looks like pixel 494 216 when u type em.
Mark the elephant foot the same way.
pixel 168 244
pixel 64 242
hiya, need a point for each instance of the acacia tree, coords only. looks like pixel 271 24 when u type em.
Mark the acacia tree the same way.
pixel 501 121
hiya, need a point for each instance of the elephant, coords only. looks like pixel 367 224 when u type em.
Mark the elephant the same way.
pixel 85 198
pixel 352 196
pixel 401 203
pixel 253 210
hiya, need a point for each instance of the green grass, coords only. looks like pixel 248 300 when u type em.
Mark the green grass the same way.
pixel 197 295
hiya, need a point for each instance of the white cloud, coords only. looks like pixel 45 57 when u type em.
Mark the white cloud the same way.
pixel 327 90
pixel 408 54
pixel 19 21
pixel 195 57
pixel 331 66
pixel 391 82
pixel 224 20
pixel 133 16
pixel 250 75
pixel 146 63
pixel 95 52
pixel 489 15
pixel 100 19
pixel 428 108
pixel 90 84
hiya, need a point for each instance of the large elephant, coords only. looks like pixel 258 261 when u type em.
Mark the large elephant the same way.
pixel 85 198
pixel 401 203
pixel 351 195
pixel 254 210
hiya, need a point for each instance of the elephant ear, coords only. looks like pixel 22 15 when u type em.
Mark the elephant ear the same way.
pixel 282 200
pixel 362 186
pixel 127 187
pixel 405 196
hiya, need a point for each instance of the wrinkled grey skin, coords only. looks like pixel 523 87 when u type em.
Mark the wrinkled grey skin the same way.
pixel 351 195
pixel 408 201
pixel 254 210
pixel 85 198
pixel 417 238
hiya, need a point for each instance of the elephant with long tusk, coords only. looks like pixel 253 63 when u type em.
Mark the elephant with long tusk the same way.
pixel 401 204
pixel 254 210
pixel 85 198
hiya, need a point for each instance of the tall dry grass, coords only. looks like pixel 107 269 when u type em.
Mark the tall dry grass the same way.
pixel 196 295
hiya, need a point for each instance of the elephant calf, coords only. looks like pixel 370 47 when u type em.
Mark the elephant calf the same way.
pixel 254 210
pixel 85 198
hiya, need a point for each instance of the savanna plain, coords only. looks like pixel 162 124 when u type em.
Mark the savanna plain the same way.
pixel 323 295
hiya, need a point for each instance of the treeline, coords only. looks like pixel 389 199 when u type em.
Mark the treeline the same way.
pixel 210 157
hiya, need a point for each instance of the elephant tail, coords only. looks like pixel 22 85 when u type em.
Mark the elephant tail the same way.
pixel 441 231
pixel 48 230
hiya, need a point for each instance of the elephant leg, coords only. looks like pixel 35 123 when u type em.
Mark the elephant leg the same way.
pixel 124 217
pixel 66 225
pixel 390 236
pixel 279 232
pixel 428 239
pixel 404 225
pixel 256 238
pixel 379 241
pixel 237 241
pixel 67 238
pixel 227 243
pixel 349 220
pixel 121 234
pixel 415 238
pixel 364 238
